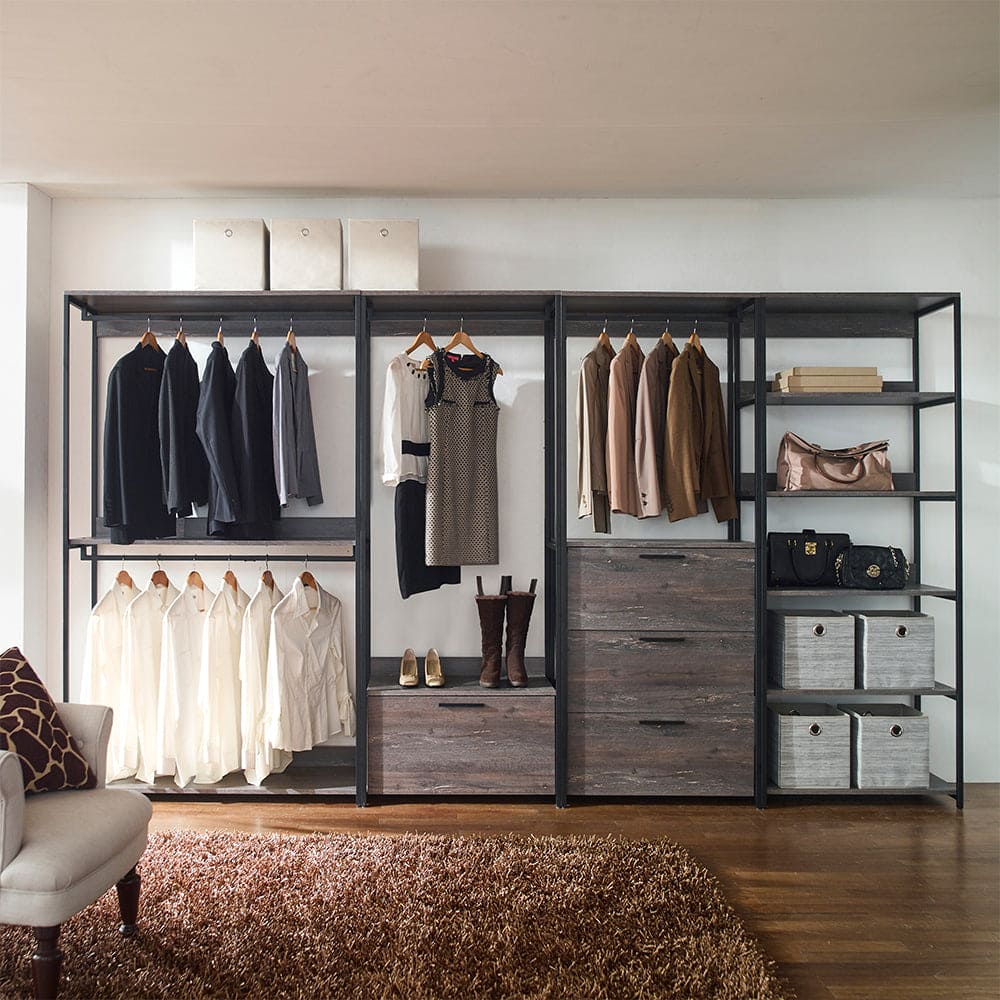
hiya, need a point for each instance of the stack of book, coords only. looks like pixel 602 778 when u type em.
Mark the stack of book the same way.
pixel 827 379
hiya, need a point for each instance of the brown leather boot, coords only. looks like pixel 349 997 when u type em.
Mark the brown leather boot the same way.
pixel 491 611
pixel 519 605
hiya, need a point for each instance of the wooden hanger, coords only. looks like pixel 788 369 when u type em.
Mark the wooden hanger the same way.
pixel 290 337
pixel 159 578
pixel 694 340
pixel 665 337
pixel 180 338
pixel 219 339
pixel 422 339
pixel 604 340
pixel 194 580
pixel 123 578
pixel 460 339
pixel 308 580
pixel 230 577
pixel 148 340
pixel 267 578
pixel 253 333
pixel 630 336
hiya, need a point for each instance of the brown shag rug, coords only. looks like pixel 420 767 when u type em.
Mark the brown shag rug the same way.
pixel 414 916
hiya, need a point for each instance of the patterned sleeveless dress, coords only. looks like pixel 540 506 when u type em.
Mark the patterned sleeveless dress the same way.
pixel 462 501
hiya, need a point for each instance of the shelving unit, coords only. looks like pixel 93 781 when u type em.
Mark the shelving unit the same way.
pixel 868 316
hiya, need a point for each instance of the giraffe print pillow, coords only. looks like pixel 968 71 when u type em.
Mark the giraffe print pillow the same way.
pixel 32 728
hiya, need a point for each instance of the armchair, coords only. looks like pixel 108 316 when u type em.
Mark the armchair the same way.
pixel 61 851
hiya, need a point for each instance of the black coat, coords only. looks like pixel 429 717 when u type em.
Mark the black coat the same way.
pixel 253 451
pixel 215 410
pixel 133 484
pixel 182 458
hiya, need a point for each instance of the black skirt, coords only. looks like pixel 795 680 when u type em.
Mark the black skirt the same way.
pixel 415 576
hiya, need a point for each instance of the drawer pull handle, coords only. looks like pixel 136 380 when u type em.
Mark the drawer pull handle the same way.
pixel 819 630
pixel 896 730
pixel 815 729
pixel 662 638
pixel 661 723
pixel 902 631
pixel 662 555
pixel 461 704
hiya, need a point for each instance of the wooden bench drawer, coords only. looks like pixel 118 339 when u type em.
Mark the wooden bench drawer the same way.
pixel 657 587
pixel 653 671
pixel 479 743
pixel 659 754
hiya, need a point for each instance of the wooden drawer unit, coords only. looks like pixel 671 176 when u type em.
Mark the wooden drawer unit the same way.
pixel 648 670
pixel 453 742
pixel 657 586
pixel 679 753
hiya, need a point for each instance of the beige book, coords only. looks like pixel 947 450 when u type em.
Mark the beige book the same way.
pixel 873 382
pixel 810 371
pixel 819 390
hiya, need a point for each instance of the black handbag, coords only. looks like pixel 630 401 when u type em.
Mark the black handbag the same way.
pixel 806 559
pixel 872 567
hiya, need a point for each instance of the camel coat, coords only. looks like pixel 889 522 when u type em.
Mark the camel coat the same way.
pixel 623 391
pixel 592 438
pixel 650 427
pixel 696 443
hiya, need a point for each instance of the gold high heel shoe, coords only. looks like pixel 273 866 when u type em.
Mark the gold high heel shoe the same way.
pixel 408 677
pixel 433 675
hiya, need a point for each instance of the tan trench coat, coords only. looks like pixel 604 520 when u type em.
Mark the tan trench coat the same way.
pixel 696 442
pixel 592 438
pixel 623 391
pixel 650 428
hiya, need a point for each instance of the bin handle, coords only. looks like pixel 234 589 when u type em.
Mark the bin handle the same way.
pixel 815 729
pixel 895 729
pixel 902 631
pixel 819 630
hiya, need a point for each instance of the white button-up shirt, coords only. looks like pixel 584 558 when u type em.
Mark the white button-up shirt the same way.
pixel 102 682
pixel 219 685
pixel 259 758
pixel 141 670
pixel 179 727
pixel 404 418
pixel 307 695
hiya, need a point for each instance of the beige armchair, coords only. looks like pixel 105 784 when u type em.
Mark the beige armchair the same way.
pixel 62 851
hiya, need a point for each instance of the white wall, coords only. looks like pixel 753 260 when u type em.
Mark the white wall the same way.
pixel 24 322
pixel 720 245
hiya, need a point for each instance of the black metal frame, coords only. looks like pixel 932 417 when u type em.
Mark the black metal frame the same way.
pixel 118 314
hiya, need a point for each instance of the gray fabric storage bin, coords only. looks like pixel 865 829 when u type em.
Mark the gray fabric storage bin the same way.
pixel 890 746
pixel 383 255
pixel 894 649
pixel 230 255
pixel 306 255
pixel 810 649
pixel 809 746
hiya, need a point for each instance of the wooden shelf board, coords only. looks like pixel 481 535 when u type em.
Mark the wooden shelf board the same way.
pixel 937 786
pixel 312 781
pixel 915 590
pixel 888 397
pixel 780 694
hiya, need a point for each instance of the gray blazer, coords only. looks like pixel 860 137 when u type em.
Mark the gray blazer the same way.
pixel 296 466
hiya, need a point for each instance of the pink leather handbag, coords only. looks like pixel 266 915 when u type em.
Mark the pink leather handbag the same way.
pixel 805 466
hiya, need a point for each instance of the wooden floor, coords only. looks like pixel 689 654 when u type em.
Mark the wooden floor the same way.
pixel 874 899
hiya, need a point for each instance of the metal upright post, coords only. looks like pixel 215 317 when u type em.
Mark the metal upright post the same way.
pixel 560 583
pixel 959 564
pixel 95 436
pixel 362 540
pixel 760 547
pixel 67 301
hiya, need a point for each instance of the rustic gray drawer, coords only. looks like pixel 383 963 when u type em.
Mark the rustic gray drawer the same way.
pixel 659 754
pixel 624 588
pixel 448 742
pixel 810 649
pixel 655 671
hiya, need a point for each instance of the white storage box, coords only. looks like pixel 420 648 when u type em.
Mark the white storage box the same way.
pixel 810 649
pixel 306 254
pixel 890 746
pixel 809 746
pixel 383 255
pixel 230 255
pixel 894 649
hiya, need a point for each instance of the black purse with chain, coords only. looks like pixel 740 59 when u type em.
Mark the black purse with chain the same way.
pixel 805 559
pixel 872 567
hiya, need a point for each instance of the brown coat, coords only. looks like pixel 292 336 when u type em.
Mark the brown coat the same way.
pixel 696 453
pixel 623 390
pixel 650 427
pixel 592 438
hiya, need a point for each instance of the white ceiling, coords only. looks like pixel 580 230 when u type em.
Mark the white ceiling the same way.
pixel 793 98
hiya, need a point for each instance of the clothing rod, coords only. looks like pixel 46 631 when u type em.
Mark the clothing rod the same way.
pixel 87 556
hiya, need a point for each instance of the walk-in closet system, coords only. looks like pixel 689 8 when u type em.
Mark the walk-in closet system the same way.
pixel 665 697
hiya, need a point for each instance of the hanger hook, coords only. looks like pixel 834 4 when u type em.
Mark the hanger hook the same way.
pixel 267 560
pixel 254 322
pixel 307 562
pixel 695 326
pixel 147 325
pixel 289 324
pixel 666 328
pixel 631 325
pixel 220 324
pixel 605 330
pixel 461 324
pixel 425 325
pixel 158 566
pixel 180 324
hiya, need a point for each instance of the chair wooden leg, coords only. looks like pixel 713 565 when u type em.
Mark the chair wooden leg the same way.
pixel 128 902
pixel 45 963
